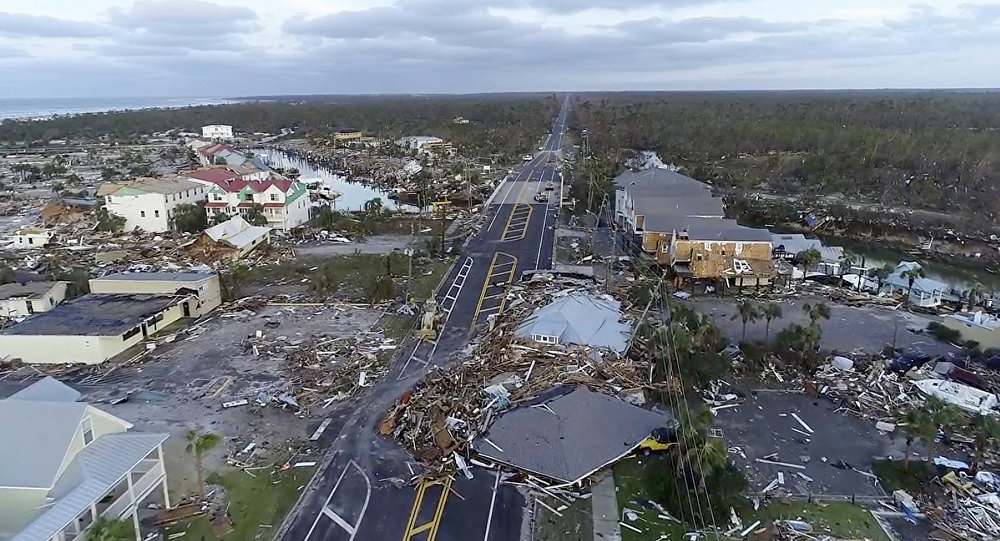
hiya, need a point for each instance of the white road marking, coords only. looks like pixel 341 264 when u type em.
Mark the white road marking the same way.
pixel 326 511
pixel 493 501
pixel 545 218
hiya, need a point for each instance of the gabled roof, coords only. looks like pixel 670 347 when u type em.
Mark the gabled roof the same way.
pixel 29 290
pixel 47 389
pixel 94 470
pixel 213 174
pixel 236 232
pixel 579 318
pixel 37 425
pixel 927 285
pixel 576 435
pixel 211 150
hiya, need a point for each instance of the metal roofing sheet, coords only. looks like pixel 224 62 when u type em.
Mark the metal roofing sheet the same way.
pixel 94 471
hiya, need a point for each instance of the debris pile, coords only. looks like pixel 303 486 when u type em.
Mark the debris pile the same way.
pixel 441 415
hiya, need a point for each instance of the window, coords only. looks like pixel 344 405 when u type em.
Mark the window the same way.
pixel 142 214
pixel 88 431
pixel 28 305
pixel 274 197
pixel 156 214
pixel 31 240
pixel 130 334
pixel 52 302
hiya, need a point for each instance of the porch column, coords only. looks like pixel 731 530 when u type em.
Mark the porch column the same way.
pixel 166 494
pixel 135 523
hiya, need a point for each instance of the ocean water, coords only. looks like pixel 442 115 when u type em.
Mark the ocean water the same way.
pixel 47 107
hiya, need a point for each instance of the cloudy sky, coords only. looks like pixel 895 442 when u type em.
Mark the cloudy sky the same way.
pixel 220 48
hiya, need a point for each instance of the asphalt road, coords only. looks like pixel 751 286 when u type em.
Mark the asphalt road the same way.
pixel 358 492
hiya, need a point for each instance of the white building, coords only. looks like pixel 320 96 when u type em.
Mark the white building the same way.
pixel 148 203
pixel 285 202
pixel 31 237
pixel 122 311
pixel 217 131
pixel 67 464
pixel 19 300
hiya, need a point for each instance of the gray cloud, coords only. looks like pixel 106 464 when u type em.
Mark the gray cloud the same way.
pixel 424 46
pixel 29 26
pixel 152 28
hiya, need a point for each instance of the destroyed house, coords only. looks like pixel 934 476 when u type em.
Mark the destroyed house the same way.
pixel 925 292
pixel 19 300
pixel 92 328
pixel 67 463
pixel 722 251
pixel 231 240
pixel 567 435
pixel 578 318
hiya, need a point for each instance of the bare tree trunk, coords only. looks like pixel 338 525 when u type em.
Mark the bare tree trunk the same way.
pixel 201 478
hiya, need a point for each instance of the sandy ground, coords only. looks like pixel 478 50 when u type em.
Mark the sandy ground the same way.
pixel 379 244
pixel 181 385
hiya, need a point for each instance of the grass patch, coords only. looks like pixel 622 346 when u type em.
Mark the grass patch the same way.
pixel 837 519
pixel 629 487
pixel 257 505
pixel 894 477
pixel 575 524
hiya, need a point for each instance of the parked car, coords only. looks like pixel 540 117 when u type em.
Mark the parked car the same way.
pixel 661 439
pixel 541 197
pixel 549 186
pixel 527 157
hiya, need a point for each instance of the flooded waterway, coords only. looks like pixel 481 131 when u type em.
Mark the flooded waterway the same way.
pixel 354 194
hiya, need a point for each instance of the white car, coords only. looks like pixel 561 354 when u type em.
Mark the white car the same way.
pixel 527 157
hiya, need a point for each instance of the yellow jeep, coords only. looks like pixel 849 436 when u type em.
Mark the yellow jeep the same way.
pixel 661 439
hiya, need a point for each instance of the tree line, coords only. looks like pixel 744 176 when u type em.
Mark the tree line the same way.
pixel 934 149
pixel 496 123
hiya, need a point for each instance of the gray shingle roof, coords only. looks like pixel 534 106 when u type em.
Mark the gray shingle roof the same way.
pixel 190 276
pixel 587 431
pixel 94 315
pixel 31 290
pixel 580 318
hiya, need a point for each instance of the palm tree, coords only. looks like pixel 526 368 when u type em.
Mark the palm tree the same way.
pixel 702 458
pixel 816 311
pixel 198 445
pixel 808 259
pixel 911 276
pixel 771 310
pixel 108 529
pixel 987 429
pixel 847 261
pixel 918 425
pixel 882 273
pixel 943 417
pixel 747 311
pixel 974 293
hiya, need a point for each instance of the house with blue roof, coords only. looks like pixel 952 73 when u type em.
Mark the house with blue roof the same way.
pixel 925 292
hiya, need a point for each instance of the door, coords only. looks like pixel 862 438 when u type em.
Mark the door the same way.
pixel 145 333
pixel 187 309
pixel 29 306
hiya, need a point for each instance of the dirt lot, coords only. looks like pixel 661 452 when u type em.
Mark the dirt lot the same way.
pixel 181 385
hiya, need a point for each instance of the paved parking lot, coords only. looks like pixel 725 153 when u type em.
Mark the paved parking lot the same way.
pixel 763 424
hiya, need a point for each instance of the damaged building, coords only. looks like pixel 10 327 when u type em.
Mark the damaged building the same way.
pixel 121 311
pixel 677 221
pixel 230 240
pixel 566 435
pixel 578 318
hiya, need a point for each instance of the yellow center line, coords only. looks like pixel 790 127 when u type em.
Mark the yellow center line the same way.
pixel 491 273
pixel 440 510
pixel 432 526
pixel 417 502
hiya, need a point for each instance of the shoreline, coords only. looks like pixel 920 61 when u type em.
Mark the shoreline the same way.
pixel 111 109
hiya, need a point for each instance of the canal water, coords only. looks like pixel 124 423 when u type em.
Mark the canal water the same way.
pixel 961 277
pixel 354 194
